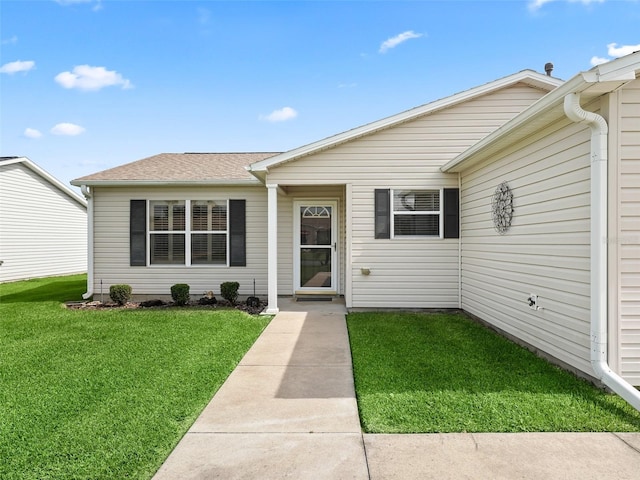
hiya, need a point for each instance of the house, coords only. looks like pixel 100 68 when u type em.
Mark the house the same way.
pixel 43 223
pixel 478 201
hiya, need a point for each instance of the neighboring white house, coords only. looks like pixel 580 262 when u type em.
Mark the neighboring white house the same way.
pixel 43 223
pixel 399 214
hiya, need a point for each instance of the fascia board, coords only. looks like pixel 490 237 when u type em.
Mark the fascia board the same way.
pixel 165 183
pixel 624 68
pixel 11 161
pixel 528 76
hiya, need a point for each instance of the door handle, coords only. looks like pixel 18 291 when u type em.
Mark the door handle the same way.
pixel 335 246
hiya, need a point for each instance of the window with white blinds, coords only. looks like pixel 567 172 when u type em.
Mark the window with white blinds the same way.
pixel 167 232
pixel 197 238
pixel 209 232
pixel 416 213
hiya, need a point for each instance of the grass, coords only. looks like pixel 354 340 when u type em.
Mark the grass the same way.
pixel 104 394
pixel 421 373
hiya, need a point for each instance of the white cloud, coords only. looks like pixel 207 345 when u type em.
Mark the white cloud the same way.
pixel 397 40
pixel 86 77
pixel 65 3
pixel 68 129
pixel 538 4
pixel 282 115
pixel 17 66
pixel 615 51
pixel 10 41
pixel 598 61
pixel 32 133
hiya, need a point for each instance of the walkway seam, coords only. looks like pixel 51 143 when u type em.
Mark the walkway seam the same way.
pixel 625 442
pixel 366 457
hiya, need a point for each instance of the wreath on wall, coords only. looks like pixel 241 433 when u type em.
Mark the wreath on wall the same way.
pixel 502 208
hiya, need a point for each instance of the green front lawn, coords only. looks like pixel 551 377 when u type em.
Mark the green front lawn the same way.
pixel 445 373
pixel 105 394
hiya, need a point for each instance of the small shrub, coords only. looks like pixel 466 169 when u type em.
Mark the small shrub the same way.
pixel 180 293
pixel 229 291
pixel 120 293
pixel 253 302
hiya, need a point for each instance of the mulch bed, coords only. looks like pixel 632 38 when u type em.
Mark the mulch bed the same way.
pixel 159 304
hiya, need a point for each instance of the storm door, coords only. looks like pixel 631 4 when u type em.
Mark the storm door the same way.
pixel 315 247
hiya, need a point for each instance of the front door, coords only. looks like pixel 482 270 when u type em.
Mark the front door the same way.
pixel 315 247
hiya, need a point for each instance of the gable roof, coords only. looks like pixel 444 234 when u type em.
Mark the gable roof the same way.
pixel 528 77
pixel 590 84
pixel 47 177
pixel 180 168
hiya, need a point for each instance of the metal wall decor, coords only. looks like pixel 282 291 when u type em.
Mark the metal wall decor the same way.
pixel 502 208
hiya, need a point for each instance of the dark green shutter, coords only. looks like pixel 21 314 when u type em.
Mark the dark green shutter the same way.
pixel 138 233
pixel 237 233
pixel 451 213
pixel 382 213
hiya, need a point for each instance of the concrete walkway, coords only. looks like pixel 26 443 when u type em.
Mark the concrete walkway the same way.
pixel 289 411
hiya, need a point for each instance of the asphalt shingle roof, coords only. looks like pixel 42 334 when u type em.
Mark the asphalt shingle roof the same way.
pixel 182 167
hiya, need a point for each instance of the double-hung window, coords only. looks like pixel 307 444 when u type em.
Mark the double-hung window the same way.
pixel 416 213
pixel 406 213
pixel 209 232
pixel 188 232
pixel 167 229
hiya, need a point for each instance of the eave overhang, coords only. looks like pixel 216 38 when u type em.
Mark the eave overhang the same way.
pixel 166 183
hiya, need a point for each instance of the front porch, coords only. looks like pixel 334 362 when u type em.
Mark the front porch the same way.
pixel 307 241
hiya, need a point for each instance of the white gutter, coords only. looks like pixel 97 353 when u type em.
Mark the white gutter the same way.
pixel 165 183
pixel 460 240
pixel 599 261
pixel 87 194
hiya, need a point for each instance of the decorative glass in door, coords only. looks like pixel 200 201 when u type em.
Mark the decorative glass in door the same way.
pixel 316 246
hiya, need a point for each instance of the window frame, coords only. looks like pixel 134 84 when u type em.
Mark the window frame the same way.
pixel 210 230
pixel 188 232
pixel 439 213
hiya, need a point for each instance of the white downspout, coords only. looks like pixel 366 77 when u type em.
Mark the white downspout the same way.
pixel 460 240
pixel 87 194
pixel 599 239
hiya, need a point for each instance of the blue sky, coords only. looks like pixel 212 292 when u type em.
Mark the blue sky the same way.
pixel 86 85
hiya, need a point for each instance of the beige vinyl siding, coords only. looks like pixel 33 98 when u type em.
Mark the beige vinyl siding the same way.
pixel 43 231
pixel 545 252
pixel 407 272
pixel 417 147
pixel 111 240
pixel 629 231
